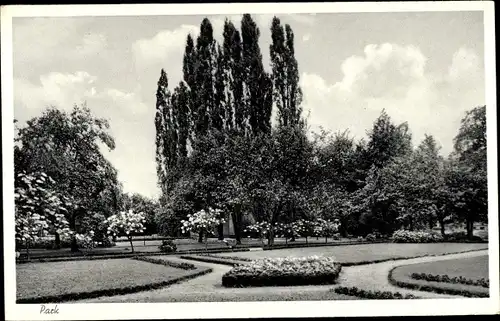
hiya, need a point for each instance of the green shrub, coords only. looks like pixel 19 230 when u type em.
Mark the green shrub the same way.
pixel 403 236
pixel 371 237
pixel 168 246
pixel 461 236
pixel 283 272
pixel 384 295
pixel 182 265
pixel 485 283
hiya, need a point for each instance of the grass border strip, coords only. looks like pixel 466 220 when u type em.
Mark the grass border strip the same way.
pixel 407 258
pixel 112 292
pixel 432 288
pixel 374 295
pixel 234 259
pixel 213 260
pixel 125 255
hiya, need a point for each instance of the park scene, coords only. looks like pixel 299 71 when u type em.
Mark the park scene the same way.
pixel 257 197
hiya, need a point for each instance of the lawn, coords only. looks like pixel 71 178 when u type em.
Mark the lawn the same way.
pixel 57 278
pixel 365 252
pixel 470 268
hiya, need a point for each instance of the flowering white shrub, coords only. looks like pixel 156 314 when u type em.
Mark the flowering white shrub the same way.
pixel 86 240
pixel 402 236
pixel 202 221
pixel 39 210
pixel 126 222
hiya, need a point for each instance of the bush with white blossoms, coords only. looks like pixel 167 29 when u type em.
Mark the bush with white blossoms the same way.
pixel 126 223
pixel 203 222
pixel 262 228
pixel 86 240
pixel 39 210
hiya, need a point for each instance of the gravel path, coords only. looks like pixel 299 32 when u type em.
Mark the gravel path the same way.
pixel 208 288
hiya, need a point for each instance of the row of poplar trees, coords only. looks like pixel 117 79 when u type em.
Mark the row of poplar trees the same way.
pixel 225 89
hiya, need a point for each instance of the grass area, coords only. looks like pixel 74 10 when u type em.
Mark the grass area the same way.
pixel 364 252
pixel 470 268
pixel 474 268
pixel 38 280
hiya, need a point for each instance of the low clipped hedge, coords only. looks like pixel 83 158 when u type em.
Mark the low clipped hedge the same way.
pixel 447 279
pixel 376 295
pixel 184 266
pixel 287 271
pixel 398 281
pixel 403 236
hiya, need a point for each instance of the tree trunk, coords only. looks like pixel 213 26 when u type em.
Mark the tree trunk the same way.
pixel 131 243
pixel 220 231
pixel 200 237
pixel 270 240
pixel 236 223
pixel 74 244
pixel 326 239
pixel 57 241
pixel 470 229
pixel 441 223
pixel 27 250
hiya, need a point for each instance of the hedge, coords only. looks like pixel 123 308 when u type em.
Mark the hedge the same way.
pixel 485 283
pixel 184 266
pixel 213 259
pixel 283 272
pixel 434 288
pixel 384 295
pixel 106 256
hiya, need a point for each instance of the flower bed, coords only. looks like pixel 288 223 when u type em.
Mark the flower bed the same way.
pixel 287 271
pixel 376 295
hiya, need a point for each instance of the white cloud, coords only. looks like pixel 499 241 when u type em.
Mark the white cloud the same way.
pixel 164 43
pixel 306 37
pixel 385 69
pixel 92 44
pixel 306 19
pixel 62 90
pixel 394 78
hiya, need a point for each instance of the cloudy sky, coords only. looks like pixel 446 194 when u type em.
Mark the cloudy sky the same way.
pixel 424 68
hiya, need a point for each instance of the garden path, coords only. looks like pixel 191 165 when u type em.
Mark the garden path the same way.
pixel 208 288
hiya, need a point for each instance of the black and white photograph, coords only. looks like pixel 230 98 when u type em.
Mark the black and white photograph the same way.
pixel 249 160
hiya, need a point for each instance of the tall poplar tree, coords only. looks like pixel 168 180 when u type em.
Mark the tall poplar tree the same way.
pixel 204 78
pixel 182 105
pixel 189 76
pixel 294 93
pixel 162 95
pixel 256 86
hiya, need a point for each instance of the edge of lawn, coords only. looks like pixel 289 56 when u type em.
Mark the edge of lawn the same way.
pixel 403 281
pixel 234 260
pixel 193 272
